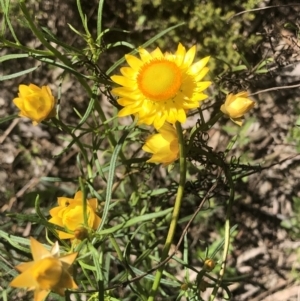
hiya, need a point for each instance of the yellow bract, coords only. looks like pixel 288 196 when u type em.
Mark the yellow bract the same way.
pixel 47 272
pixel 161 87
pixel 69 214
pixel 236 105
pixel 164 145
pixel 35 103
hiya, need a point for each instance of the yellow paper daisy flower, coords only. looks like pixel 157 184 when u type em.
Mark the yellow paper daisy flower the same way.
pixel 35 103
pixel 69 214
pixel 164 145
pixel 161 87
pixel 47 272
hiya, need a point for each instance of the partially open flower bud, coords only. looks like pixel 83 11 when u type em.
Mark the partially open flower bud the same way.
pixel 236 105
pixel 209 264
pixel 81 233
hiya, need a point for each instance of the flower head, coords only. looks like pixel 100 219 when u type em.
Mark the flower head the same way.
pixel 69 214
pixel 161 87
pixel 47 272
pixel 164 145
pixel 236 105
pixel 35 103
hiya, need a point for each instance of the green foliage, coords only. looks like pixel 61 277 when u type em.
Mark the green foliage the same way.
pixel 209 25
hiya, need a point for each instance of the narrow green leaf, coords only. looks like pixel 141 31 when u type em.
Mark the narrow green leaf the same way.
pixel 13 57
pixel 5 7
pixel 8 118
pixel 99 20
pixel 95 256
pixel 87 113
pixel 51 37
pixel 135 220
pixel 15 241
pixel 17 74
pixel 110 178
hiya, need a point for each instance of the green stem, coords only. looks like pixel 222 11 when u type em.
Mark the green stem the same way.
pixel 175 214
pixel 227 236
pixel 84 202
pixel 211 122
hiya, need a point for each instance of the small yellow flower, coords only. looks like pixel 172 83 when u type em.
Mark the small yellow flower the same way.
pixel 47 272
pixel 69 214
pixel 35 103
pixel 164 145
pixel 161 87
pixel 236 105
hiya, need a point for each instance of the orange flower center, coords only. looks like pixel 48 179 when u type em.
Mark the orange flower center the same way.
pixel 159 80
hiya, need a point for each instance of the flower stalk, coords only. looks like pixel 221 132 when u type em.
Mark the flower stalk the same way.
pixel 176 211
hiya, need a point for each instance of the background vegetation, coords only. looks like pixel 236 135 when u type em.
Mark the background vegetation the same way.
pixel 257 50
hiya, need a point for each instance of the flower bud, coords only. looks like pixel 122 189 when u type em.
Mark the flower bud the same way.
pixel 236 105
pixel 209 264
pixel 81 233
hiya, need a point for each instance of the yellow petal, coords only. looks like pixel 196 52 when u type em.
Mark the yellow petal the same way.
pixel 38 250
pixel 22 267
pixel 123 81
pixel 93 203
pixel 189 57
pixel 128 111
pixel 40 295
pixel 65 235
pixel 97 222
pixel 78 195
pixel 24 280
pixel 156 53
pixel 198 66
pixel 133 62
pixel 180 54
pixel 159 121
pixel 69 258
pixel 181 115
pixel 55 211
pixel 145 55
pixel 201 74
pixel 125 101
pixel 238 121
pixel 56 221
pixel 203 85
pixel 128 72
